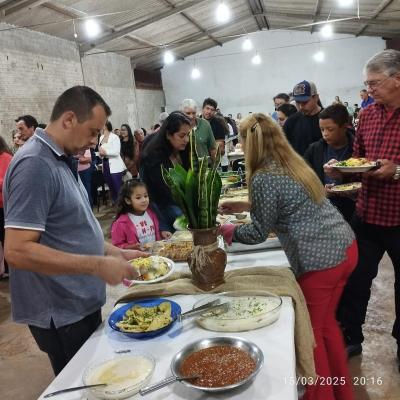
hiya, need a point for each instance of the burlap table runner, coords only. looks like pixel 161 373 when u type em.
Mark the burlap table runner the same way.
pixel 280 281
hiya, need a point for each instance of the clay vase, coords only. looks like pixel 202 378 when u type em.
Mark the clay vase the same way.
pixel 207 261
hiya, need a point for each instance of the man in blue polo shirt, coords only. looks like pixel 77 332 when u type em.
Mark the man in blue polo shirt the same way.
pixel 53 243
pixel 366 99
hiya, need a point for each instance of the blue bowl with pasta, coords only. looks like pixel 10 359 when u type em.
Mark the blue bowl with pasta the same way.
pixel 146 318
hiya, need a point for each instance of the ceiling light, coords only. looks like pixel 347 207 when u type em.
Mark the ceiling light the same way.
pixel 168 57
pixel 327 30
pixel 223 12
pixel 92 27
pixel 345 3
pixel 196 73
pixel 75 35
pixel 256 59
pixel 247 45
pixel 319 56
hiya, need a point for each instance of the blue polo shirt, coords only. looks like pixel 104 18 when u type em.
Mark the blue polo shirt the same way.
pixel 43 192
pixel 366 103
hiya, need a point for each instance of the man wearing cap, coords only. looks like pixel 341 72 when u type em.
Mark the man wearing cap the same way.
pixel 302 128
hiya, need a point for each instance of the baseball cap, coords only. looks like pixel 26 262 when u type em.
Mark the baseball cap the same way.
pixel 304 90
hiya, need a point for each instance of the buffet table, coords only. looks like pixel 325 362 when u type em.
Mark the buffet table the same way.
pixel 274 382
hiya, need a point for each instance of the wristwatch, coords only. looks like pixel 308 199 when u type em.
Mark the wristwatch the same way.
pixel 396 175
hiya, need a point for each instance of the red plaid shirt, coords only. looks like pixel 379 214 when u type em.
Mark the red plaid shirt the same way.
pixel 378 137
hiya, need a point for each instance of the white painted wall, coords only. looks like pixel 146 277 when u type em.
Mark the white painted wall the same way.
pixel 149 103
pixel 229 77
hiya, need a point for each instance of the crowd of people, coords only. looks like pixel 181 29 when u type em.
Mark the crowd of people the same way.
pixel 334 243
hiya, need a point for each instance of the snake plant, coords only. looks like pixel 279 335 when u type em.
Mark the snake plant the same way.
pixel 197 190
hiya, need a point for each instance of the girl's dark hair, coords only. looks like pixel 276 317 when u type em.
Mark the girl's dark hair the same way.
pixel 287 109
pixel 109 126
pixel 128 148
pixel 125 193
pixel 144 131
pixel 337 113
pixel 4 147
pixel 160 148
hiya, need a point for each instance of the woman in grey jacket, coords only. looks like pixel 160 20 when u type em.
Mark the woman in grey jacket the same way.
pixel 287 197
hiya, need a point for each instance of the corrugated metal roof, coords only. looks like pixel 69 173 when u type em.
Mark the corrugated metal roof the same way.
pixel 140 29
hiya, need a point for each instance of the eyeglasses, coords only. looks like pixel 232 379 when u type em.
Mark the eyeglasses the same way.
pixel 373 84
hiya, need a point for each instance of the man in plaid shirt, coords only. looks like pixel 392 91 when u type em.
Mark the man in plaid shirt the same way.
pixel 377 219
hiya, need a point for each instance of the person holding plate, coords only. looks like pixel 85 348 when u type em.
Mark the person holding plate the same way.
pixel 377 219
pixel 337 142
pixel 287 198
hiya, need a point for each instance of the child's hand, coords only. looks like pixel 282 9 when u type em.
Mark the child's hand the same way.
pixel 166 234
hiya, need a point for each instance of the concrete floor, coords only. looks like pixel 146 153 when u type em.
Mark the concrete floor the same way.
pixel 25 371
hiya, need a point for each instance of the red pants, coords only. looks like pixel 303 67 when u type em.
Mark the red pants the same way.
pixel 322 291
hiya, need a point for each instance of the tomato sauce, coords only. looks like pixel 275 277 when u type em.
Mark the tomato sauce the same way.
pixel 218 366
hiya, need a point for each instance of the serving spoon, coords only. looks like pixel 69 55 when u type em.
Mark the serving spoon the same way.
pixel 165 382
pixel 73 389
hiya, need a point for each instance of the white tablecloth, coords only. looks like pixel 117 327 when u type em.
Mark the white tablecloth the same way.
pixel 276 341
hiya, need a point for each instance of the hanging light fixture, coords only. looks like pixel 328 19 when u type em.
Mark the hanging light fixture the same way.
pixel 247 45
pixel 319 56
pixel 92 27
pixel 168 57
pixel 256 59
pixel 73 24
pixel 195 73
pixel 327 30
pixel 346 3
pixel 223 12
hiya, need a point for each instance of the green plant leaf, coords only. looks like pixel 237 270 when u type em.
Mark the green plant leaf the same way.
pixel 194 159
pixel 203 197
pixel 178 174
pixel 177 194
pixel 191 198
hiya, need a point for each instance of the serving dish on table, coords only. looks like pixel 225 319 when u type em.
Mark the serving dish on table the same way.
pixel 145 318
pixel 355 165
pixel 238 192
pixel 247 310
pixel 123 375
pixel 218 364
pixel 151 269
pixel 174 249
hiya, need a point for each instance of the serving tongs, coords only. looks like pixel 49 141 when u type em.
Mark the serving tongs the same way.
pixel 215 305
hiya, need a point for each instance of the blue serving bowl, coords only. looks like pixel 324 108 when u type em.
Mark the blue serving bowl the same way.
pixel 118 316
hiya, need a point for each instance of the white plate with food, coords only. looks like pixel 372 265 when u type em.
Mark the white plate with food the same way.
pixel 346 187
pixel 152 269
pixel 354 165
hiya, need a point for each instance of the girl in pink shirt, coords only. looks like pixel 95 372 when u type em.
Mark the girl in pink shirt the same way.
pixel 135 221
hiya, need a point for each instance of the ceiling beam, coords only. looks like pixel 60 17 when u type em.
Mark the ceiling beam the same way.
pixel 194 23
pixel 201 29
pixel 368 19
pixel 11 7
pixel 317 10
pixel 191 38
pixel 257 10
pixel 74 14
pixel 382 6
pixel 135 26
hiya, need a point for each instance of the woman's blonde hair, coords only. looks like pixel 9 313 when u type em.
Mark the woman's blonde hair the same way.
pixel 264 142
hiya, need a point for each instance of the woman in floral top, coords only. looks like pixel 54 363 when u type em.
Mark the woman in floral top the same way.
pixel 286 197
